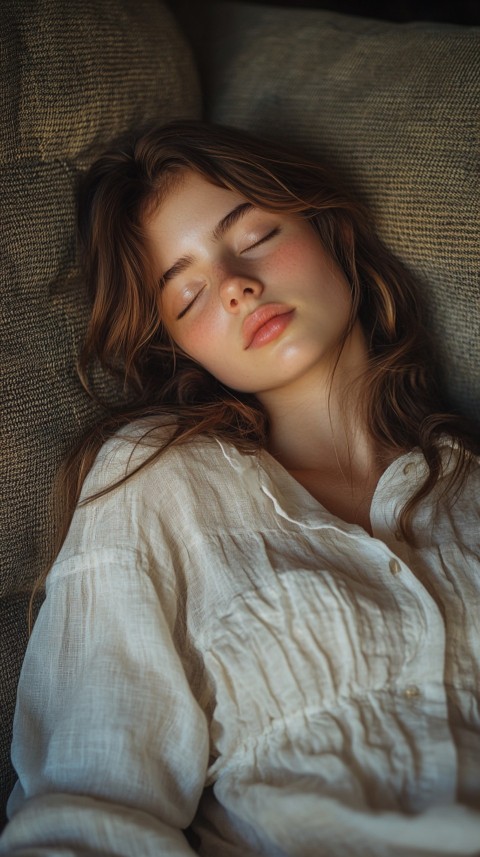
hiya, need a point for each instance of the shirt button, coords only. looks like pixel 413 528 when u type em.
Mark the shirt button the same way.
pixel 412 691
pixel 408 468
pixel 394 566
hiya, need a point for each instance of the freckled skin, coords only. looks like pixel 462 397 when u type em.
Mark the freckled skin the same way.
pixel 230 278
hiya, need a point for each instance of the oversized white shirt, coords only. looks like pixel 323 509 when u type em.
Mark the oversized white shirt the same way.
pixel 218 652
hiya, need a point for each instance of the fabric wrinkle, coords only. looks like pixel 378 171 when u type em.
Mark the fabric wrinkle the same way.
pixel 296 694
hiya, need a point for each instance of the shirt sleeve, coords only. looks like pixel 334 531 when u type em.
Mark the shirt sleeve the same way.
pixel 110 745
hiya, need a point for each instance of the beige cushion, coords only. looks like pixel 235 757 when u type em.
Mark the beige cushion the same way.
pixel 74 74
pixel 395 108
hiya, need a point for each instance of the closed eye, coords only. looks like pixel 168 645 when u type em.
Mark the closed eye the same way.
pixel 267 237
pixel 262 240
pixel 185 309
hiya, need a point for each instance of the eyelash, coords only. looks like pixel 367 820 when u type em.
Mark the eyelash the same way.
pixel 271 234
pixel 185 309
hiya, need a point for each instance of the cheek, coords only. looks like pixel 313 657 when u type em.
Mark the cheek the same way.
pixel 199 336
pixel 320 273
pixel 291 257
pixel 301 258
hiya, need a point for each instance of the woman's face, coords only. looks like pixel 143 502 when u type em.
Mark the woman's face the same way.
pixel 249 294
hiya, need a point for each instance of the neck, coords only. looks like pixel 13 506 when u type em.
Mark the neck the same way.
pixel 325 433
pixel 318 421
pixel 319 433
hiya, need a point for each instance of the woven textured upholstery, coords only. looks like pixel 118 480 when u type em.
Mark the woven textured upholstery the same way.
pixel 75 74
pixel 395 109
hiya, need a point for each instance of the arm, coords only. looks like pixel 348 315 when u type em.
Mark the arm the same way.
pixel 110 745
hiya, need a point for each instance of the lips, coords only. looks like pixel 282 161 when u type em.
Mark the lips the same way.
pixel 253 324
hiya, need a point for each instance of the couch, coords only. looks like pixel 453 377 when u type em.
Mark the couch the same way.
pixel 392 107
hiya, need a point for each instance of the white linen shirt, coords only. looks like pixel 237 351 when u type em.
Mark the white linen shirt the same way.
pixel 218 652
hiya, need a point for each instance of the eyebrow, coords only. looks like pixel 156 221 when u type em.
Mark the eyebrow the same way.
pixel 221 228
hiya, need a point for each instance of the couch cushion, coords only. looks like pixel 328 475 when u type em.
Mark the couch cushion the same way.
pixel 75 74
pixel 394 108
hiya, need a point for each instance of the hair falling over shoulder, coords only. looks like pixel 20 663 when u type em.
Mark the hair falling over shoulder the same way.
pixel 125 334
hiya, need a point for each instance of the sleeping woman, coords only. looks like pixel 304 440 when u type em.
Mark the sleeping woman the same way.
pixel 261 633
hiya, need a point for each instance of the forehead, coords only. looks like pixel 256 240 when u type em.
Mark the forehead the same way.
pixel 185 216
pixel 190 199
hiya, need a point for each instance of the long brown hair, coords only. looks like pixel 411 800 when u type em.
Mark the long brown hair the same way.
pixel 125 334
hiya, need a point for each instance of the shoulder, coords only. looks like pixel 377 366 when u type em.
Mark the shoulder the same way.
pixel 125 451
pixel 456 497
pixel 148 516
pixel 454 461
pixel 143 499
pixel 141 461
pixel 127 454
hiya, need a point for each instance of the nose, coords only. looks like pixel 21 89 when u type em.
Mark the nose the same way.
pixel 235 291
